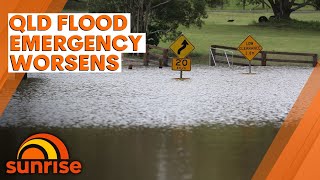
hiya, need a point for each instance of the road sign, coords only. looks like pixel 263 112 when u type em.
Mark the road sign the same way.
pixel 182 47
pixel 249 48
pixel 181 64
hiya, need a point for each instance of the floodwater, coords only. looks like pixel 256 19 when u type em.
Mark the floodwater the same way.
pixel 144 124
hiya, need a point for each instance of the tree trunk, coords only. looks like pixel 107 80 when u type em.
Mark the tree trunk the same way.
pixel 281 10
pixel 146 18
pixel 283 15
pixel 244 4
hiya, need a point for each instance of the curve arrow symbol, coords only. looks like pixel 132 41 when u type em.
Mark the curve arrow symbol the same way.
pixel 184 45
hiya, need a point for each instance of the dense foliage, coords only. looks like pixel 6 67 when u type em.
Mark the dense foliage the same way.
pixel 160 19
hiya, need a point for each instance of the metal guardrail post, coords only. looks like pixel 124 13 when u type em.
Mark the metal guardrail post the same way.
pixel 212 56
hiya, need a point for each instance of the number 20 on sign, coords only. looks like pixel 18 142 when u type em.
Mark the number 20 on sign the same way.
pixel 181 64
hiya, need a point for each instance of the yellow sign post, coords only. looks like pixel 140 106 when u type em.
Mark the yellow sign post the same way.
pixel 249 48
pixel 181 47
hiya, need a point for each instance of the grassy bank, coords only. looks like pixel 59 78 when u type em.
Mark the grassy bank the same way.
pixel 217 30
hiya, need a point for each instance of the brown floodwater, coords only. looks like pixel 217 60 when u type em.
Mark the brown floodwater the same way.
pixel 201 153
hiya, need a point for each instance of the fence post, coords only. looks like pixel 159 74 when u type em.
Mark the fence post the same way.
pixel 315 60
pixel 263 58
pixel 146 56
pixel 165 57
pixel 213 51
pixel 160 63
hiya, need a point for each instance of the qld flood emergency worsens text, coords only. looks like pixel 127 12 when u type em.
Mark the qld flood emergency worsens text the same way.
pixel 70 42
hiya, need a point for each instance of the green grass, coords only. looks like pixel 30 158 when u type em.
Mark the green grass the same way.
pixel 217 30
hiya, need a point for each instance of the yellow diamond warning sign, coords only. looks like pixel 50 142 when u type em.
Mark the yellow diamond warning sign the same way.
pixel 182 47
pixel 250 48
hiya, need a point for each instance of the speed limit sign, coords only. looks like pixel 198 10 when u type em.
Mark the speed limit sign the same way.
pixel 181 64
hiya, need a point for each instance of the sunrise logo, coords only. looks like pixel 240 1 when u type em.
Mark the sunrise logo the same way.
pixel 43 154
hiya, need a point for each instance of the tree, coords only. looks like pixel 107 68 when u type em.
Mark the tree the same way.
pixel 317 4
pixel 282 9
pixel 158 18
